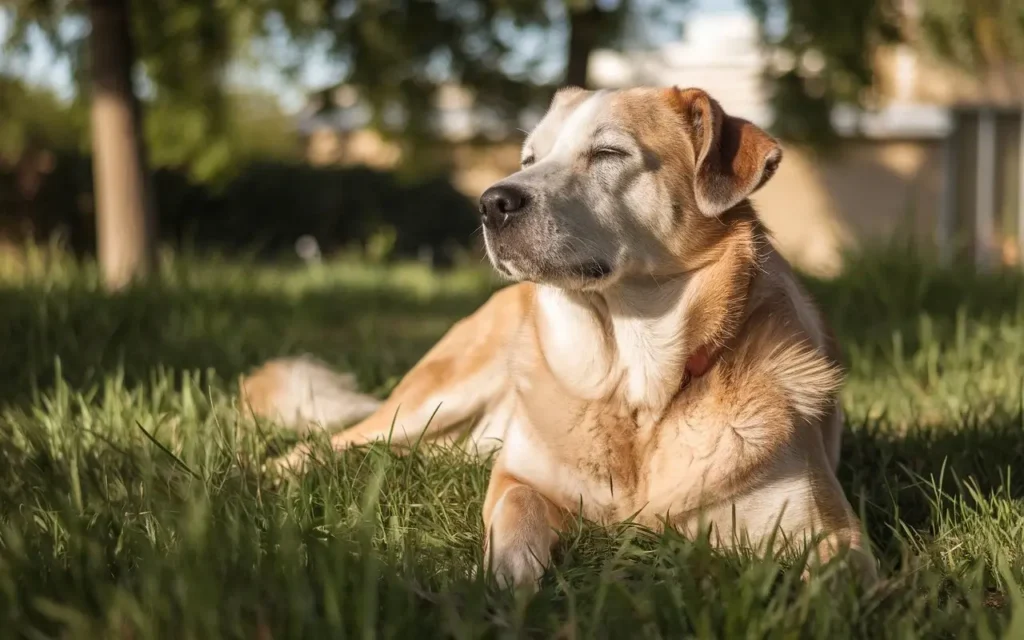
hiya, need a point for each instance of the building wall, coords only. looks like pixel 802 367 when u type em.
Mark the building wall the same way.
pixel 868 193
pixel 905 72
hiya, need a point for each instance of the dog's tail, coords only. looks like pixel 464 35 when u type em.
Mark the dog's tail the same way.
pixel 304 393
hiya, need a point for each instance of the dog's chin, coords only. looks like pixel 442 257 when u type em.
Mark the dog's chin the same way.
pixel 506 268
pixel 577 275
pixel 588 275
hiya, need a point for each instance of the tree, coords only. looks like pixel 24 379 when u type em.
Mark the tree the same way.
pixel 181 47
pixel 390 48
pixel 125 215
pixel 589 26
pixel 596 23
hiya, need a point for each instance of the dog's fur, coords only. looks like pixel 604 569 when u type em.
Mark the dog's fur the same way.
pixel 657 360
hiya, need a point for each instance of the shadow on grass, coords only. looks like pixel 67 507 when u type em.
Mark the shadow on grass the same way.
pixel 901 480
pixel 377 333
pixel 883 295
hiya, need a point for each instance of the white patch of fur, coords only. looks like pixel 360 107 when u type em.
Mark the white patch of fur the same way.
pixel 646 350
pixel 787 503
pixel 576 131
pixel 574 343
pixel 649 357
pixel 649 332
pixel 489 432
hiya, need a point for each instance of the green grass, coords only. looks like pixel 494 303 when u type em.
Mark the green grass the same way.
pixel 106 533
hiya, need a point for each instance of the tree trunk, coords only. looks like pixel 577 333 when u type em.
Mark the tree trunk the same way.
pixel 583 35
pixel 124 211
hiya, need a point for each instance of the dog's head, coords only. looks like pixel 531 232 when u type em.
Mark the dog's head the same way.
pixel 618 184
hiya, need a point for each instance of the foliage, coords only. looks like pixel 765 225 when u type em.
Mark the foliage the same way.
pixel 824 55
pixel 35 118
pixel 246 190
pixel 399 53
pixel 104 533
pixel 182 47
pixel 254 129
pixel 977 34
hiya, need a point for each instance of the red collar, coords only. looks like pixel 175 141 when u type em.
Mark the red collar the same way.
pixel 697 365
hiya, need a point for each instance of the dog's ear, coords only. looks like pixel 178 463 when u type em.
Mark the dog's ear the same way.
pixel 734 158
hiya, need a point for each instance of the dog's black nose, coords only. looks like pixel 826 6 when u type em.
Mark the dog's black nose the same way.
pixel 500 204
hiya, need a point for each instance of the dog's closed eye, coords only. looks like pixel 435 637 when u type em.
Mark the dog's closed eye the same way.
pixel 601 153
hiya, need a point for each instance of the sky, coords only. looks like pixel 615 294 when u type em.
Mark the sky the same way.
pixel 43 67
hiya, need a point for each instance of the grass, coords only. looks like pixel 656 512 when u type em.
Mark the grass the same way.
pixel 132 503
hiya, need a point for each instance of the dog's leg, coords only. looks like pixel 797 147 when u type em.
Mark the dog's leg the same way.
pixel 846 535
pixel 811 506
pixel 796 502
pixel 832 435
pixel 520 528
pixel 463 378
pixel 842 531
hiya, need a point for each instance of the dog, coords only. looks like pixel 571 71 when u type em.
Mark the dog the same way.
pixel 655 360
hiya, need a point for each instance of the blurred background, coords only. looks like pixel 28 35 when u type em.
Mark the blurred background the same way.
pixel 304 128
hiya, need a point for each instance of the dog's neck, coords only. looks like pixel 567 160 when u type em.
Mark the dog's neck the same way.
pixel 633 342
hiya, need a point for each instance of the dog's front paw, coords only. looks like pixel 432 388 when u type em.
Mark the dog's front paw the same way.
pixel 517 564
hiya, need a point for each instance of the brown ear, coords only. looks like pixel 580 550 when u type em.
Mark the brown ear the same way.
pixel 733 157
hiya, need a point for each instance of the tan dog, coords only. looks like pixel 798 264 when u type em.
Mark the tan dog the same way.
pixel 658 358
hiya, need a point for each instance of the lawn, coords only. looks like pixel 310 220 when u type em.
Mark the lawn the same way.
pixel 132 502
